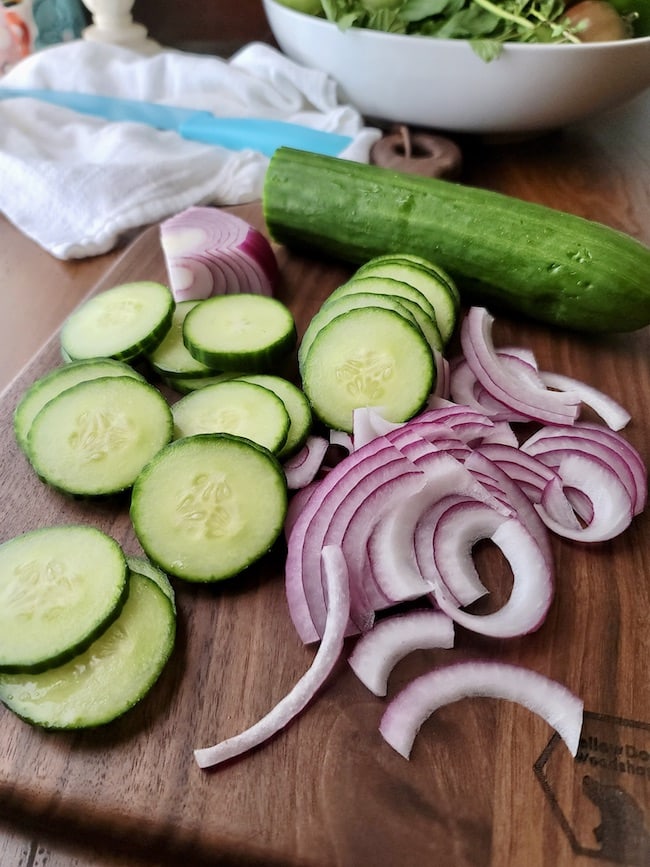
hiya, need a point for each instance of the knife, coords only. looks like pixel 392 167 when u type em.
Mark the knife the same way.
pixel 235 133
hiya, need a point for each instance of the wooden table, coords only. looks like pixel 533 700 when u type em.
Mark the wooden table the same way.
pixel 487 784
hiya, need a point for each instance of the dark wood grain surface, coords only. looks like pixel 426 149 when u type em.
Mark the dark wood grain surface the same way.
pixel 487 783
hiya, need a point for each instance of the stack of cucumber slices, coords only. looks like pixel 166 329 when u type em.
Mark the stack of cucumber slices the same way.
pixel 374 342
pixel 85 630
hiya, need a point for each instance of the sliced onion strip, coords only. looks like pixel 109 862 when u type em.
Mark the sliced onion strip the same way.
pixel 378 651
pixel 392 544
pixel 532 586
pixel 552 701
pixel 301 468
pixel 516 391
pixel 612 413
pixel 612 506
pixel 327 655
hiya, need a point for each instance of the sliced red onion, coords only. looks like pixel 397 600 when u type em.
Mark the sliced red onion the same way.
pixel 613 508
pixel 424 533
pixel 209 251
pixel 420 441
pixel 552 701
pixel 297 504
pixel 466 422
pixel 551 452
pixel 378 461
pixel 456 577
pixel 301 469
pixel 392 543
pixel 368 423
pixel 564 506
pixel 373 503
pixel 501 433
pixel 448 433
pixel 378 651
pixel 593 438
pixel 465 389
pixel 342 439
pixel 487 472
pixel 327 655
pixel 516 390
pixel 611 412
pixel 531 474
pixel 532 587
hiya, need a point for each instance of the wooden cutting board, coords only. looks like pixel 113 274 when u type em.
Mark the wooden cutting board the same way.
pixel 488 782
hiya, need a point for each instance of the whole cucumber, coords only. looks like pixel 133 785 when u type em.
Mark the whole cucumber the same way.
pixel 503 252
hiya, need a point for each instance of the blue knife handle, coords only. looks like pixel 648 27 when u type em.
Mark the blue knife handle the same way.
pixel 260 134
pixel 235 133
pixel 107 107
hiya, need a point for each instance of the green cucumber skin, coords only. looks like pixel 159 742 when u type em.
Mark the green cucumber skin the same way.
pixel 82 642
pixel 519 256
pixel 122 696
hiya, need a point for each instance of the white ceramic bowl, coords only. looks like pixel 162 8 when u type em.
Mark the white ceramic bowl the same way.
pixel 442 84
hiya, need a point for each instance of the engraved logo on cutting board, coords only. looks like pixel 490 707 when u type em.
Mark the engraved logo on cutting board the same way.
pixel 602 797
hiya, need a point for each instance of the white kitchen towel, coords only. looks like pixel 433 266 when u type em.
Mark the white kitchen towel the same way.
pixel 77 185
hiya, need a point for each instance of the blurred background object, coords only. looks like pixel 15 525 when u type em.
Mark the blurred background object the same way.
pixel 29 25
pixel 204 27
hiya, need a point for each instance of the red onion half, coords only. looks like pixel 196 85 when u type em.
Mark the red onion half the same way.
pixel 209 251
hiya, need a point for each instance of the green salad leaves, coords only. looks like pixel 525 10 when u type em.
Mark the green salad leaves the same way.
pixel 486 23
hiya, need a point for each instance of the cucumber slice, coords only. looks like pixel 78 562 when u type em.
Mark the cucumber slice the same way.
pixel 171 356
pixel 233 406
pixel 53 383
pixel 433 282
pixel 60 587
pixel 95 437
pixel 296 405
pixel 245 332
pixel 208 506
pixel 412 298
pixel 370 357
pixel 110 677
pixel 145 567
pixel 351 301
pixel 123 322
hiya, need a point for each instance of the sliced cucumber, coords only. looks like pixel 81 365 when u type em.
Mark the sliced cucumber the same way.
pixel 245 332
pixel 53 383
pixel 429 279
pixel 233 406
pixel 368 357
pixel 107 679
pixel 351 301
pixel 208 506
pixel 145 567
pixel 60 587
pixel 123 322
pixel 171 357
pixel 95 437
pixel 296 405
pixel 415 300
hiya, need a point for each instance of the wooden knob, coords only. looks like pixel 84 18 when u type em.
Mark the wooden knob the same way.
pixel 419 153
